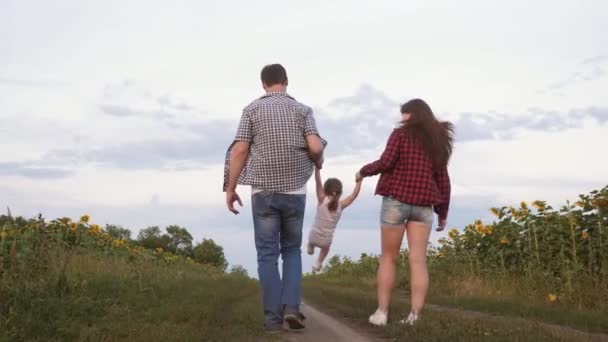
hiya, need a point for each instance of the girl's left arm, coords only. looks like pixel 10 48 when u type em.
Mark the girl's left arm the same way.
pixel 351 198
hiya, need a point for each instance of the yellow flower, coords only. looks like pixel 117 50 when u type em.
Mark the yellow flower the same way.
pixel 580 204
pixel 524 205
pixel 3 235
pixel 73 226
pixel 65 220
pixel 442 241
pixel 585 235
pixel 495 212
pixel 505 241
pixel 600 202
pixel 552 297
pixel 94 230
pixel 159 250
pixel 484 229
pixel 512 211
pixel 105 236
pixel 85 218
pixel 119 243
pixel 453 233
pixel 521 214
pixel 539 205
pixel 441 254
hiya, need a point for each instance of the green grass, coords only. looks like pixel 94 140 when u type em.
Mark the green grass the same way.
pixel 590 321
pixel 84 295
pixel 356 303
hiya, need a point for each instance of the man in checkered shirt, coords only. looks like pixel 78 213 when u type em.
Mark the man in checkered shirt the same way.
pixel 275 150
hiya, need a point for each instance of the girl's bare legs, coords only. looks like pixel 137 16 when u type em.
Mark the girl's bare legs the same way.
pixel 417 239
pixel 391 244
pixel 323 251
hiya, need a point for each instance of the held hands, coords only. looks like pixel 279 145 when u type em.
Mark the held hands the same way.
pixel 358 177
pixel 319 163
pixel 231 197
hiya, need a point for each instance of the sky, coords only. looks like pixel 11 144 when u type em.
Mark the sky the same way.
pixel 124 109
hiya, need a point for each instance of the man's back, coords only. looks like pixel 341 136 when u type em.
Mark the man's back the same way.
pixel 276 125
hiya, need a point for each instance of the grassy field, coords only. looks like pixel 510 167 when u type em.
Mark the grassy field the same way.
pixel 356 304
pixel 533 262
pixel 67 281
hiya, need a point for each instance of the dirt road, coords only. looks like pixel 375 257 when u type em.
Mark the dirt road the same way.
pixel 321 327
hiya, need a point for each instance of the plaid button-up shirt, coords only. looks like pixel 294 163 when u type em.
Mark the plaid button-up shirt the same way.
pixel 408 175
pixel 276 125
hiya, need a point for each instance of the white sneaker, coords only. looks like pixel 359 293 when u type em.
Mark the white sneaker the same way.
pixel 411 318
pixel 379 318
pixel 316 267
pixel 310 249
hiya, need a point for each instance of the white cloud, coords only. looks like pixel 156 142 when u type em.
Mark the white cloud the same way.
pixel 112 113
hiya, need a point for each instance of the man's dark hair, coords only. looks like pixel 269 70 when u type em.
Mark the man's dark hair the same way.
pixel 274 74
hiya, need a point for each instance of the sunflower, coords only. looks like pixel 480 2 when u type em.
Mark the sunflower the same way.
pixel 453 233
pixel 94 230
pixel 539 205
pixel 85 218
pixel 600 202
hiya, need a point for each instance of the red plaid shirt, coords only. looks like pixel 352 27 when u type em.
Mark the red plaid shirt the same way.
pixel 408 175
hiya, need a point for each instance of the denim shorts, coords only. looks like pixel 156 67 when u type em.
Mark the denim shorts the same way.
pixel 395 213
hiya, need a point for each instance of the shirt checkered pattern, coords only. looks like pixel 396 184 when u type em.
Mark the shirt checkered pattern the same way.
pixel 407 174
pixel 276 126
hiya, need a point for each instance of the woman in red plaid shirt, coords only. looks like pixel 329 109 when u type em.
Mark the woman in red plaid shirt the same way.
pixel 414 182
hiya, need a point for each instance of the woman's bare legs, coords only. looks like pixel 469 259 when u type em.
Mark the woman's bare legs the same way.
pixel 391 245
pixel 417 239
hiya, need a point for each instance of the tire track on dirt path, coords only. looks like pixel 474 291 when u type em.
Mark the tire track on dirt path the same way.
pixel 558 330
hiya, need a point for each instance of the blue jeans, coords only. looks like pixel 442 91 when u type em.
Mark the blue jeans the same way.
pixel 277 221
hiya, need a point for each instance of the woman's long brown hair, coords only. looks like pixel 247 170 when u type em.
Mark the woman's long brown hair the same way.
pixel 437 137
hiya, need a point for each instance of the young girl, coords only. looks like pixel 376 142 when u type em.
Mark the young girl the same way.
pixel 329 210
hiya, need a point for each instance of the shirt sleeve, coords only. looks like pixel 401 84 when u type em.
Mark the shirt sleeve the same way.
pixel 310 125
pixel 387 160
pixel 442 178
pixel 244 132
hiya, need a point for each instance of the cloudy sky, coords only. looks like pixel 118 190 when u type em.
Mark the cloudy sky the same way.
pixel 124 109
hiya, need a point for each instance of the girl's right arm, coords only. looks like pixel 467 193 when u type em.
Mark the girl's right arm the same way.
pixel 319 185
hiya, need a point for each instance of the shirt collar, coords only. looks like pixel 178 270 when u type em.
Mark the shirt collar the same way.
pixel 276 93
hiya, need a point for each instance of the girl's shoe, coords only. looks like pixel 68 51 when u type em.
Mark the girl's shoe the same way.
pixel 410 320
pixel 316 267
pixel 379 318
